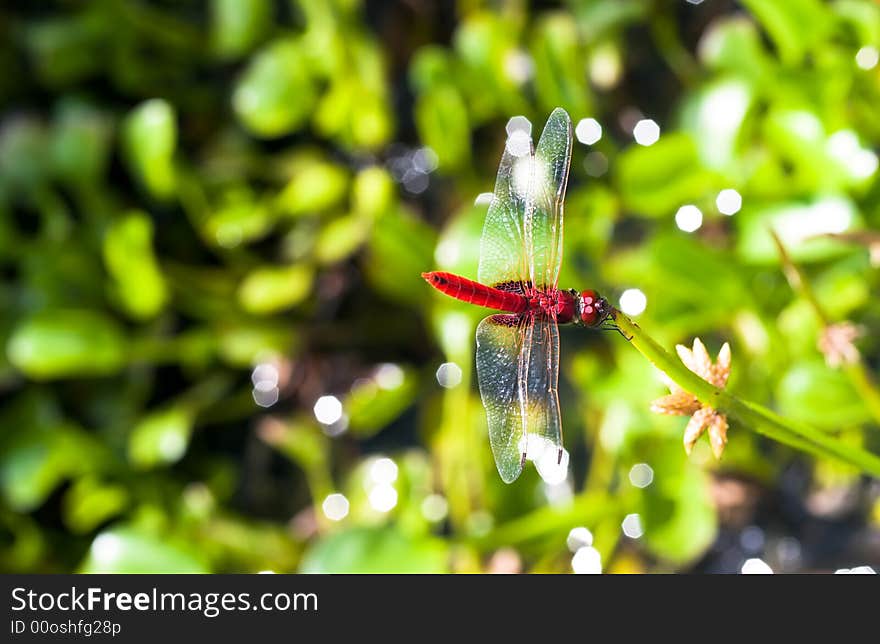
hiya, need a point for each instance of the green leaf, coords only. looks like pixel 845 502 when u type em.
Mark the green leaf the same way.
pixel 67 343
pixel 864 18
pixel 734 46
pixel 149 141
pixel 373 192
pixel 488 46
pixel 595 19
pixel 676 511
pixel 127 551
pixel 815 393
pixel 316 185
pixel 340 238
pixel 240 218
pixel 129 256
pixel 458 249
pixel 161 437
pixel 443 124
pixel 270 289
pixel 300 441
pixel 845 288
pixel 23 153
pixel 66 49
pixel 795 26
pixel 658 179
pixel 714 117
pixel 81 142
pixel 237 25
pixel 375 550
pixel 815 162
pixel 401 248
pixel 372 404
pixel 431 65
pixel 36 462
pixel 800 226
pixel 276 94
pixel 355 114
pixel 90 502
pixel 560 80
pixel 241 344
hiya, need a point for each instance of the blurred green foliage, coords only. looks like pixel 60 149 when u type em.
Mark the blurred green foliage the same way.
pixel 214 214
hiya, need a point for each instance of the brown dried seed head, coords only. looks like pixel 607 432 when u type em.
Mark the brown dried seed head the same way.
pixel 837 343
pixel 695 427
pixel 679 403
pixel 721 368
pixel 702 360
pixel 718 434
pixel 686 356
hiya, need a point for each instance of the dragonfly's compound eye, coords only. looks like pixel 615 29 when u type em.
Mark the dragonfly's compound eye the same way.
pixel 592 308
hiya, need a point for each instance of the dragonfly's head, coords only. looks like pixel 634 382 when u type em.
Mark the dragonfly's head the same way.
pixel 591 309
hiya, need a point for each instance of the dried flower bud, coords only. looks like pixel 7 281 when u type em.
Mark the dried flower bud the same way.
pixel 683 403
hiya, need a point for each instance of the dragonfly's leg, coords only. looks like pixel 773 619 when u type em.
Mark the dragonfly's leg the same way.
pixel 559 457
pixel 609 325
pixel 522 462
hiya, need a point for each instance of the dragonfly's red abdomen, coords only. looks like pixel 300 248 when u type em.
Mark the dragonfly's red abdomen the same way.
pixel 467 290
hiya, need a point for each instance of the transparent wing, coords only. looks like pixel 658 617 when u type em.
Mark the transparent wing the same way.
pixel 503 258
pixel 543 418
pixel 517 369
pixel 522 234
pixel 543 229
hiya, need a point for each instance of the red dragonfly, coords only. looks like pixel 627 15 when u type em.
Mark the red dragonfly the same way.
pixel 520 255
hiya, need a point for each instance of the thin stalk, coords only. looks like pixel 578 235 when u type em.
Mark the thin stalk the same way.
pixel 857 372
pixel 865 385
pixel 748 414
pixel 585 509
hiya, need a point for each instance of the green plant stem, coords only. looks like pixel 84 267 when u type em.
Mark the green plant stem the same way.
pixel 746 413
pixel 857 372
pixel 585 509
pixel 865 385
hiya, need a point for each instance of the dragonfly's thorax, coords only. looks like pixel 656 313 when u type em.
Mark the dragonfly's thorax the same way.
pixel 555 303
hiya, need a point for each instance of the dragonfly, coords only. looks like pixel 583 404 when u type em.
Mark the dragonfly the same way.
pixel 517 351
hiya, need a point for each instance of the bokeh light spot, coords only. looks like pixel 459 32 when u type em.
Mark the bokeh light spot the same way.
pixel 383 497
pixel 756 567
pixel 689 218
pixel 383 471
pixel 867 57
pixel 632 526
pixel 106 549
pixel 578 538
pixel 588 131
pixel 328 410
pixel 858 570
pixel 633 301
pixel 389 376
pixel 435 507
pixel 586 561
pixel 519 124
pixel 596 164
pixel 641 475
pixel 265 396
pixel 449 375
pixel 519 143
pixel 728 202
pixel 552 468
pixel 518 66
pixel 484 199
pixel 646 132
pixel 335 507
